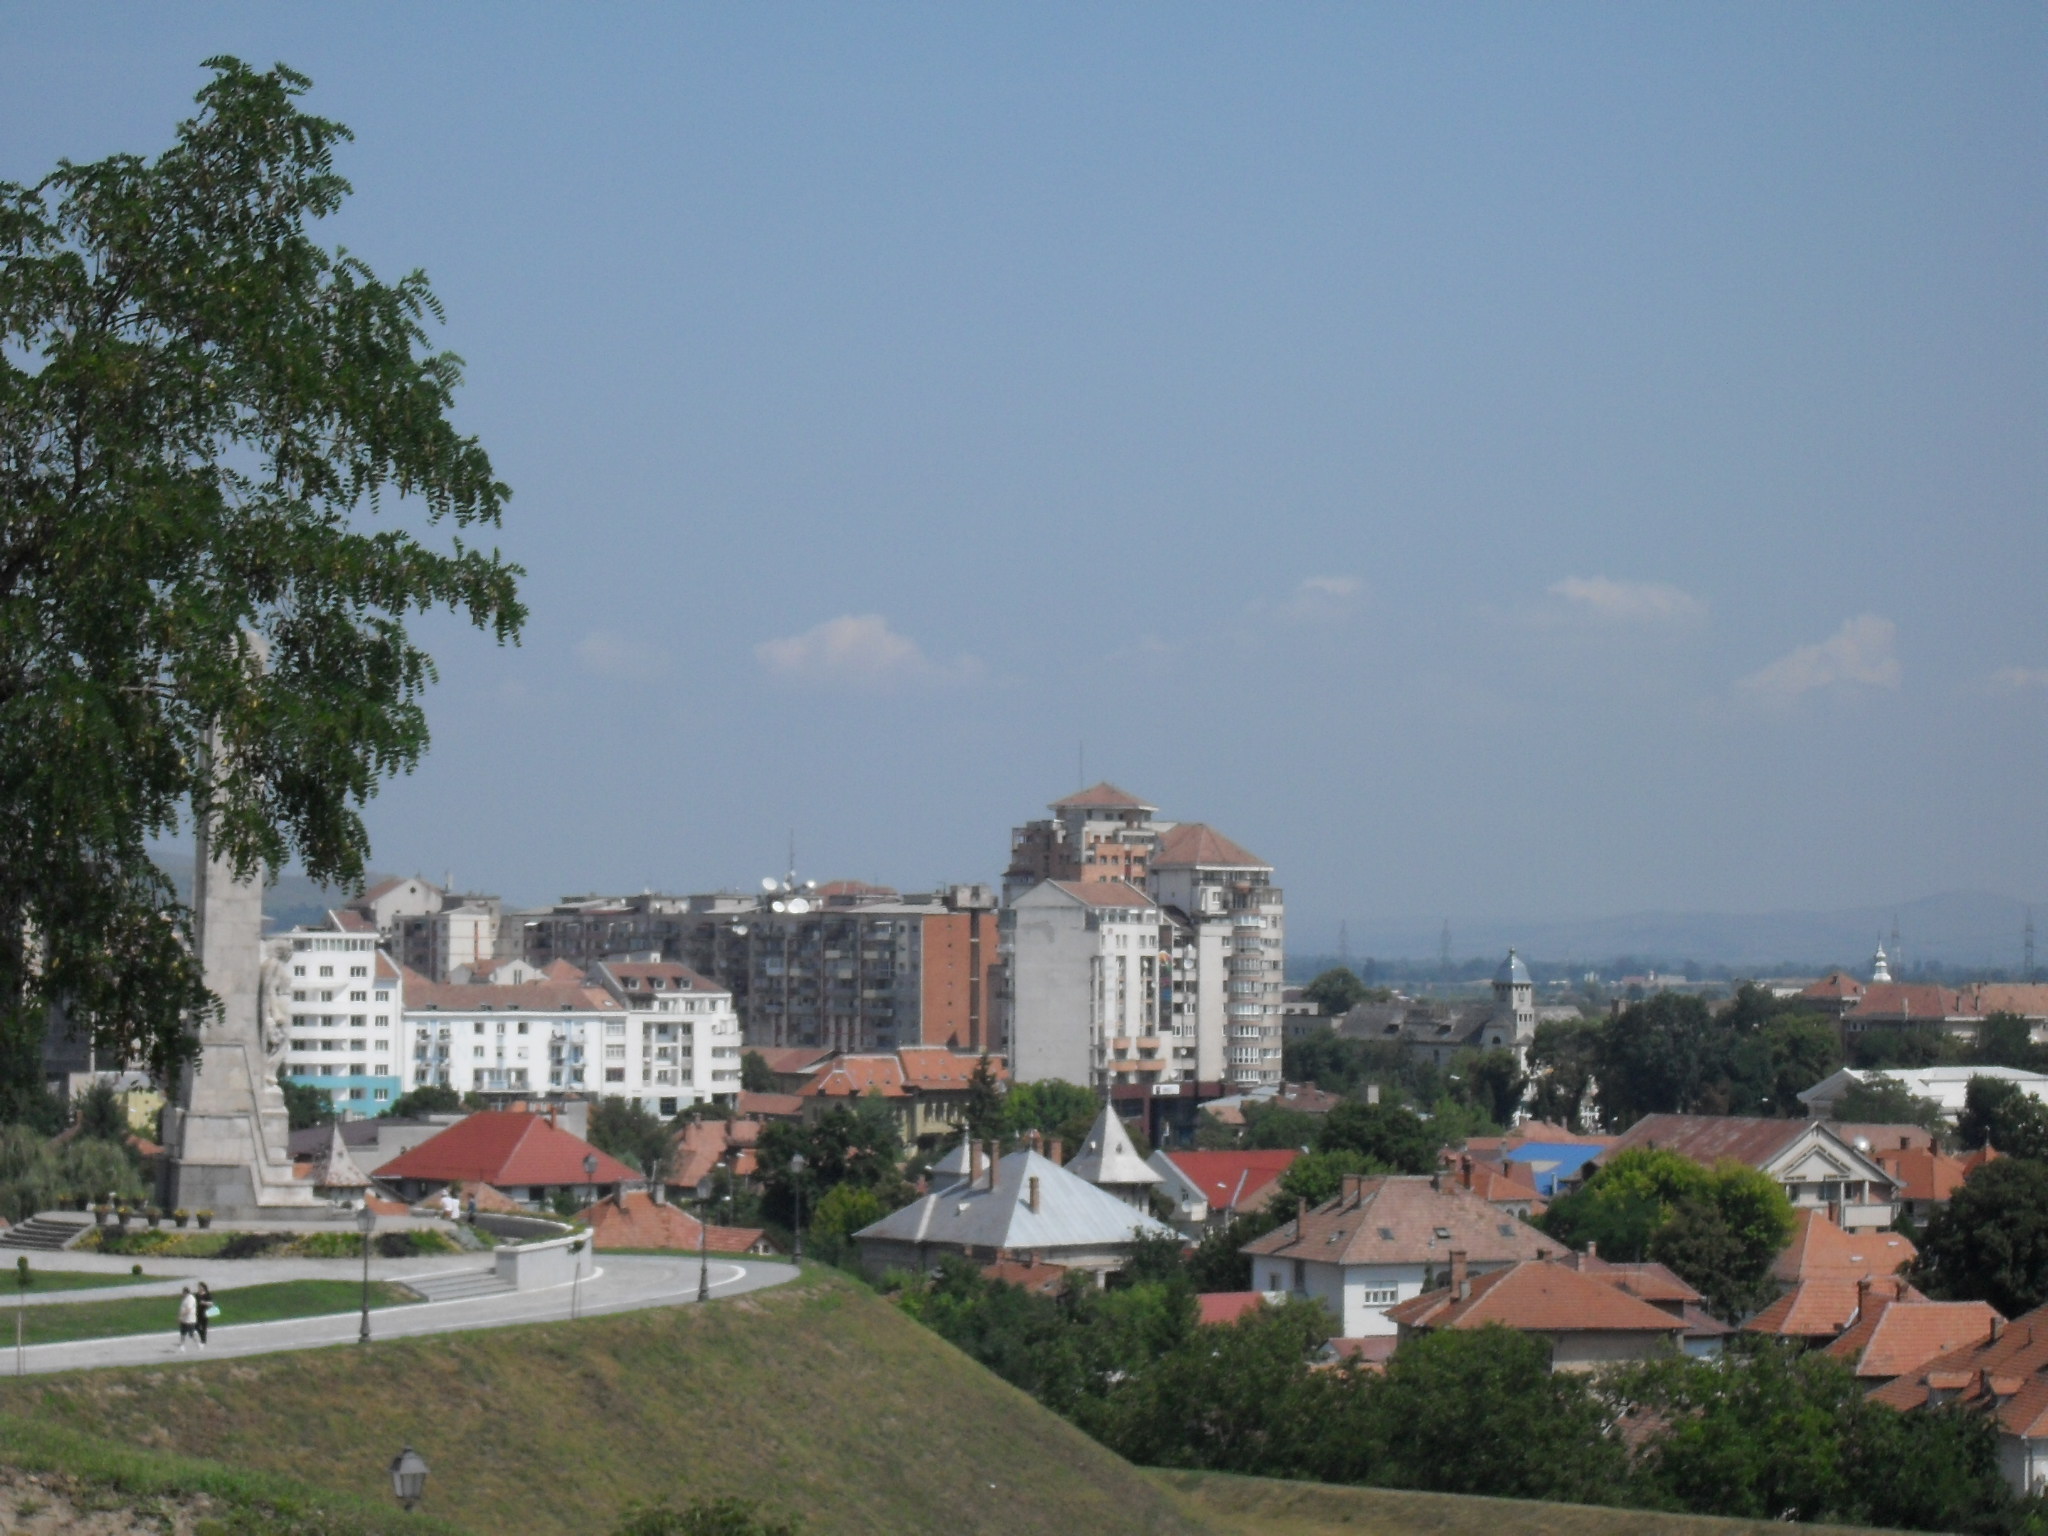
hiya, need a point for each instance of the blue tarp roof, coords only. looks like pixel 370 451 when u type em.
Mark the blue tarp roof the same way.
pixel 1550 1161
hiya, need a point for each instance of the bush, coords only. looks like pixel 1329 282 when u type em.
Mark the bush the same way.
pixel 704 1517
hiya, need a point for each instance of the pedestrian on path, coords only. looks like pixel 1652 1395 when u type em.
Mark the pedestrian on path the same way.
pixel 188 1317
pixel 204 1297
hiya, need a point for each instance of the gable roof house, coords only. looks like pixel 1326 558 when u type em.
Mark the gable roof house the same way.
pixel 1817 1168
pixel 1386 1239
pixel 1023 1206
pixel 1661 1288
pixel 1892 1336
pixel 925 1086
pixel 1110 1162
pixel 1214 1188
pixel 516 1152
pixel 2008 1375
pixel 636 1219
pixel 1588 1322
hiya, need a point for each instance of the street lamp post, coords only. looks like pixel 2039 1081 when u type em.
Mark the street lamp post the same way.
pixel 366 1223
pixel 796 1184
pixel 576 1275
pixel 704 1248
pixel 409 1477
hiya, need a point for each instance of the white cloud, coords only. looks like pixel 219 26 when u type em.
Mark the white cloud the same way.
pixel 1628 602
pixel 1857 654
pixel 607 653
pixel 2019 679
pixel 1322 599
pixel 858 650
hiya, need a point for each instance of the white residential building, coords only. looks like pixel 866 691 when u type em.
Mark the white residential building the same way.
pixel 1229 956
pixel 347 999
pixel 1084 974
pixel 518 1039
pixel 683 1034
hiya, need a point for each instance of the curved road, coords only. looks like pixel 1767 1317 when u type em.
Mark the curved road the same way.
pixel 623 1283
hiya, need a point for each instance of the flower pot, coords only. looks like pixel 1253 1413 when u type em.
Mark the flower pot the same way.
pixel 155 1220
pixel 181 1218
pixel 206 1218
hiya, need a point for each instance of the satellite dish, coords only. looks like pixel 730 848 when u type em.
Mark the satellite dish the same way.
pixel 740 929
pixel 810 885
pixel 767 882
pixel 777 906
pixel 798 905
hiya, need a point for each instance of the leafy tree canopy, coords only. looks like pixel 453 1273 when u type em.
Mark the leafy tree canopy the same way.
pixel 196 400
pixel 1393 1137
pixel 304 1105
pixel 628 1130
pixel 1337 991
pixel 427 1099
pixel 2000 1113
pixel 1052 1108
pixel 1990 1241
pixel 756 1076
pixel 1886 1101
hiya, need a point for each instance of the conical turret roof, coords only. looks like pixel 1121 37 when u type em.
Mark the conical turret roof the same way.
pixel 1108 1158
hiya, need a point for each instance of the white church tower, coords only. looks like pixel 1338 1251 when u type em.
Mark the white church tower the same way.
pixel 1880 968
pixel 1513 1023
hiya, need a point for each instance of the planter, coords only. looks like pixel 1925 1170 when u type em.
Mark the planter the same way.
pixel 103 1215
pixel 205 1219
pixel 155 1220
pixel 181 1217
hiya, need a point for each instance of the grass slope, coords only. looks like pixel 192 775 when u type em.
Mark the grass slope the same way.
pixel 238 1304
pixel 1273 1508
pixel 814 1397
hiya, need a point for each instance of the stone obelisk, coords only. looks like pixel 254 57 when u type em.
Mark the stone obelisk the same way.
pixel 227 1134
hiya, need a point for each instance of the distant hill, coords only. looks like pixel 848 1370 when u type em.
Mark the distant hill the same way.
pixel 293 900
pixel 1973 929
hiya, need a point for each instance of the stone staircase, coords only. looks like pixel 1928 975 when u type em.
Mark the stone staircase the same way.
pixel 46 1234
pixel 461 1285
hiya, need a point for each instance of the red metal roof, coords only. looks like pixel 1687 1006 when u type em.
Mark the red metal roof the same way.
pixel 507 1149
pixel 1234 1181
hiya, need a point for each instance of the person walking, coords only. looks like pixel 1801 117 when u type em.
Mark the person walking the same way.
pixel 188 1317
pixel 204 1299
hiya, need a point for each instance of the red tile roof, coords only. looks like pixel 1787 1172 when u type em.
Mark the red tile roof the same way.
pixel 638 1220
pixel 791 1058
pixel 1536 1296
pixel 1834 986
pixel 855 1077
pixel 1924 1174
pixel 1104 796
pixel 506 1149
pixel 1820 1250
pixel 1707 1139
pixel 2027 999
pixel 770 1106
pixel 938 1069
pixel 2008 1374
pixel 1104 893
pixel 1224 1307
pixel 673 977
pixel 1404 1219
pixel 1821 1308
pixel 1027 1274
pixel 1234 1181
pixel 572 995
pixel 1193 844
pixel 1891 1337
pixel 1908 1000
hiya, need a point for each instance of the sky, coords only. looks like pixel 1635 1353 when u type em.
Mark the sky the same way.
pixel 1493 461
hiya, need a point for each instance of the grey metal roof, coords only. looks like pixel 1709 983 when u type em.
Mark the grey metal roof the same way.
pixel 1072 1213
pixel 1108 1158
pixel 1513 971
pixel 953 1168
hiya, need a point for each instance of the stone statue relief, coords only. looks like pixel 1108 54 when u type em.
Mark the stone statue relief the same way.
pixel 274 1000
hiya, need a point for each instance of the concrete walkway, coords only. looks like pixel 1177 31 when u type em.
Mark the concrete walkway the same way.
pixel 621 1283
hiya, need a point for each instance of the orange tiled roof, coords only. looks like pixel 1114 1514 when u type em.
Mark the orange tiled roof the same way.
pixel 791 1058
pixel 1224 1307
pixel 641 1221
pixel 1105 797
pixel 1925 1174
pixel 1404 1219
pixel 569 994
pixel 1234 1181
pixel 938 1069
pixel 771 1106
pixel 1536 1296
pixel 1908 1000
pixel 1104 893
pixel 1834 986
pixel 1192 843
pixel 1821 1308
pixel 1891 1337
pixel 2008 1373
pixel 504 1148
pixel 1028 1274
pixel 1821 1250
pixel 1651 1281
pixel 855 1077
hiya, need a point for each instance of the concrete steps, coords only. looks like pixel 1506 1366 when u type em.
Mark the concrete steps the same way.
pixel 45 1234
pixel 462 1285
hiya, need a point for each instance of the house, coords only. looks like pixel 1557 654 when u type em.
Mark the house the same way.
pixel 1816 1311
pixel 1110 1162
pixel 1820 1250
pixel 1543 1163
pixel 1385 1239
pixel 1501 1184
pixel 638 1219
pixel 1214 1188
pixel 702 1147
pixel 1819 1171
pixel 527 1156
pixel 1437 1031
pixel 924 1086
pixel 1588 1322
pixel 372 1142
pixel 2006 1374
pixel 1927 1177
pixel 1023 1206
pixel 1945 1086
pixel 1892 1337
pixel 1028 1275
pixel 1656 1284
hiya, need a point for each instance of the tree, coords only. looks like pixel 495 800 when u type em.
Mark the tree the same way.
pixel 1052 1108
pixel 1803 1048
pixel 756 1076
pixel 1393 1137
pixel 1887 1101
pixel 1654 1058
pixel 195 401
pixel 2007 1040
pixel 1218 1262
pixel 1316 1177
pixel 839 1213
pixel 2000 1113
pixel 1990 1242
pixel 1494 1082
pixel 101 1114
pixel 1336 991
pixel 1562 1059
pixel 705 1517
pixel 984 1109
pixel 628 1130
pixel 856 1144
pixel 427 1099
pixel 304 1105
pixel 1276 1127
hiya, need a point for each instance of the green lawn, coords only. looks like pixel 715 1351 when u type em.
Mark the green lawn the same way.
pixel 169 1243
pixel 238 1304
pixel 41 1280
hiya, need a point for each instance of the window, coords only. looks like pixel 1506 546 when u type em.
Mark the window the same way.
pixel 326 970
pixel 1300 1275
pixel 479 1053
pixel 1380 1295
pixel 357 1047
pixel 383 1093
pixel 615 1053
pixel 359 970
pixel 615 1074
pixel 298 970
pixel 522 1026
pixel 359 997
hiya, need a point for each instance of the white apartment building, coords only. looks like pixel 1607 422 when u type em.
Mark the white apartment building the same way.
pixel 1085 967
pixel 683 1034
pixel 1230 952
pixel 347 1003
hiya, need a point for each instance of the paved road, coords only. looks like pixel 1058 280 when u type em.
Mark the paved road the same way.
pixel 621 1284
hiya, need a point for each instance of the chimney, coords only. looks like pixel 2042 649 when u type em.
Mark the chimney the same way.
pixel 1034 1194
pixel 1058 1153
pixel 659 1192
pixel 1436 1181
pixel 1035 1140
pixel 1997 1327
pixel 1465 1171
pixel 993 1147
pixel 973 1164
pixel 1863 1290
pixel 1592 1250
pixel 1354 1187
pixel 1461 1280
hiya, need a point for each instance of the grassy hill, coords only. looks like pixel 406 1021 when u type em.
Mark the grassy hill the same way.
pixel 814 1398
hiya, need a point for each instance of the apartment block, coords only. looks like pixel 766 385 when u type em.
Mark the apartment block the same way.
pixel 347 1001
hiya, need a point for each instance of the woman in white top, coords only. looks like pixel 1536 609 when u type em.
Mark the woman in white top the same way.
pixel 188 1316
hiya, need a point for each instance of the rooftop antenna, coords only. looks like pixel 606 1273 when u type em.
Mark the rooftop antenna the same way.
pixel 2027 949
pixel 792 856
pixel 1081 765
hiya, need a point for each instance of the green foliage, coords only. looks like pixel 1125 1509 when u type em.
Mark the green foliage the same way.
pixel 1052 1108
pixel 1494 1083
pixel 1887 1101
pixel 1562 1059
pixel 985 1109
pixel 2007 1040
pixel 304 1105
pixel 1218 1262
pixel 628 1130
pixel 839 1213
pixel 1336 991
pixel 1999 1113
pixel 36 1176
pixel 756 1076
pixel 1394 1138
pixel 855 1144
pixel 1777 1435
pixel 1990 1241
pixel 1212 1135
pixel 705 1517
pixel 1276 1127
pixel 195 400
pixel 1654 1058
pixel 427 1099
pixel 1918 1045
pixel 1315 1177
pixel 100 1114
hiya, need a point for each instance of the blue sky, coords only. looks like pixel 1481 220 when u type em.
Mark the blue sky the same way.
pixel 1490 460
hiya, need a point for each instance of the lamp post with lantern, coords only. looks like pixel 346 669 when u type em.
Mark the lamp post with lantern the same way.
pixel 366 1223
pixel 408 1477
pixel 797 1164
